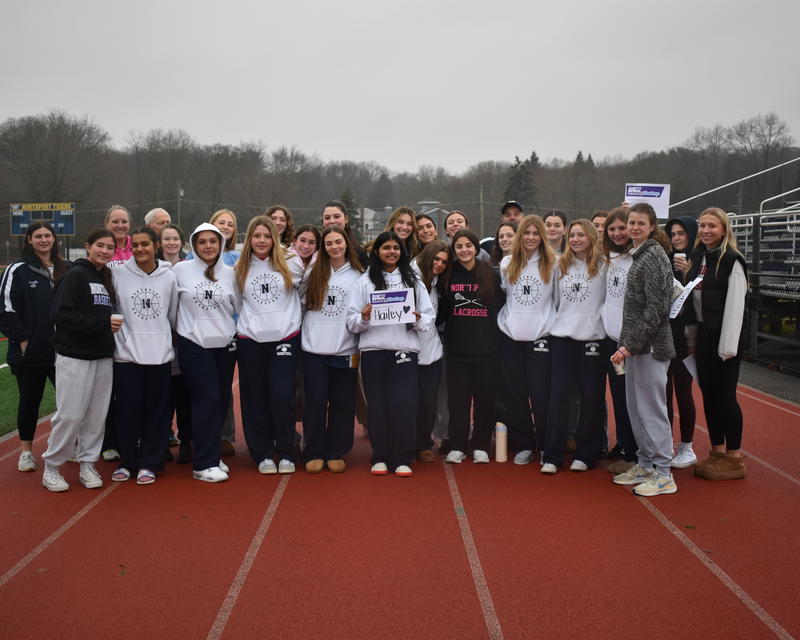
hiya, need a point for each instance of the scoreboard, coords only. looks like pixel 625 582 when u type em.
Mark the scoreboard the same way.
pixel 61 215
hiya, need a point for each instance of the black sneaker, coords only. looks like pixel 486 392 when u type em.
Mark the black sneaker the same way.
pixel 617 453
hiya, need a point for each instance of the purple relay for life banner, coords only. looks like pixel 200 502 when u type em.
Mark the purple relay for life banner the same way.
pixel 656 195
pixel 392 307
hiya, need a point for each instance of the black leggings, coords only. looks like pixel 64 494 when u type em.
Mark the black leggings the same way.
pixel 718 379
pixel 30 382
pixel 679 379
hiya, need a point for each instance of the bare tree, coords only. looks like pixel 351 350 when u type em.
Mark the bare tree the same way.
pixel 762 139
pixel 712 147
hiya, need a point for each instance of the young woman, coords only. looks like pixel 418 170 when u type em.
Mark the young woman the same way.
pixel 503 240
pixel 389 356
pixel 426 229
pixel 268 332
pixel 118 222
pixel 27 295
pixel 330 354
pixel 471 300
pixel 403 223
pixel 171 242
pixel 225 221
pixel 577 333
pixel 525 322
pixel 555 223
pixel 84 344
pixel 147 298
pixel 682 232
pixel 616 248
pixel 284 223
pixel 716 325
pixel 306 244
pixel 429 266
pixel 645 346
pixel 208 298
pixel 334 213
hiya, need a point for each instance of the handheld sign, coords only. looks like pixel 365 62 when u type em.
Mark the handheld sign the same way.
pixel 656 195
pixel 392 307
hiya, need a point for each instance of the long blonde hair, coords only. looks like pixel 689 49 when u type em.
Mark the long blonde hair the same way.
pixel 728 239
pixel 276 254
pixel 593 258
pixel 230 243
pixel 519 259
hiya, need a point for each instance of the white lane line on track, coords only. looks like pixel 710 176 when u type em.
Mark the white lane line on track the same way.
pixel 712 566
pixel 764 463
pixel 247 563
pixel 42 546
pixel 479 579
pixel 769 404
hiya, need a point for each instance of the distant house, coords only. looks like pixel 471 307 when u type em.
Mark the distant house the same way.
pixel 373 222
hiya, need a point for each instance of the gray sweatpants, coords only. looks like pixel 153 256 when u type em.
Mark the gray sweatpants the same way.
pixel 83 391
pixel 645 381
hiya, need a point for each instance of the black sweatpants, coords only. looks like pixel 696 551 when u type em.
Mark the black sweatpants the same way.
pixel 391 389
pixel 430 377
pixel 471 381
pixel 718 379
pixel 30 384
pixel 616 383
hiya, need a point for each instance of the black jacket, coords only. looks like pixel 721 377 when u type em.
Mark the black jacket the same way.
pixel 81 312
pixel 471 328
pixel 27 293
pixel 677 324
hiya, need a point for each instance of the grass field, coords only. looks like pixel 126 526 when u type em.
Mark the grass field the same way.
pixel 9 397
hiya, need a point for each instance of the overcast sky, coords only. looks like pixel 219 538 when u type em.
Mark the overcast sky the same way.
pixel 407 83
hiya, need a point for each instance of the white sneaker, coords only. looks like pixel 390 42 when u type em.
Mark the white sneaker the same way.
pixel 224 467
pixel 26 461
pixel 634 475
pixel 455 457
pixel 578 465
pixel 110 455
pixel 379 469
pixel 523 457
pixel 549 468
pixel 286 466
pixel 656 485
pixel 267 467
pixel 212 474
pixel 684 458
pixel 53 480
pixel 479 456
pixel 404 471
pixel 89 477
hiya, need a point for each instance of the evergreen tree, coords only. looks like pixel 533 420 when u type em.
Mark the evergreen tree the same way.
pixel 521 185
pixel 382 192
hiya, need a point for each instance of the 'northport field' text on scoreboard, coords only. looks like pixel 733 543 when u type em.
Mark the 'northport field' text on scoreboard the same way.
pixel 61 215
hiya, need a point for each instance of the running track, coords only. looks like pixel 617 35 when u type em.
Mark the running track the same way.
pixel 495 551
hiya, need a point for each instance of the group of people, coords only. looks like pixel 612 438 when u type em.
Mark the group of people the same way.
pixel 521 330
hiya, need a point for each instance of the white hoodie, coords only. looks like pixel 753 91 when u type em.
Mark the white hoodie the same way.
pixel 206 308
pixel 430 344
pixel 390 337
pixel 530 309
pixel 149 303
pixel 579 302
pixel 325 330
pixel 269 312
pixel 616 279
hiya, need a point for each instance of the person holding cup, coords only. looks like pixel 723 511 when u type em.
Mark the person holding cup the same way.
pixel 84 344
pixel 681 232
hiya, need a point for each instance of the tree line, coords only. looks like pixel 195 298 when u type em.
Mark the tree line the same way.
pixel 58 157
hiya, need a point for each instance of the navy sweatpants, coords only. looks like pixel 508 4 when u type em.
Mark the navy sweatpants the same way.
pixel 525 383
pixel 266 385
pixel 390 385
pixel 208 374
pixel 577 363
pixel 429 377
pixel 143 402
pixel 329 407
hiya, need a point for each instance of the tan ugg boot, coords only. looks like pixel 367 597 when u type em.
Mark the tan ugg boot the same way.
pixel 700 467
pixel 728 467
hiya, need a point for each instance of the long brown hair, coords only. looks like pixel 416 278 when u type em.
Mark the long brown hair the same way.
pixel 547 257
pixel 321 271
pixel 276 256
pixel 593 258
pixel 411 243
pixel 105 272
pixel 425 260
pixel 60 265
pixel 657 233
pixel 482 271
pixel 619 213
pixel 288 233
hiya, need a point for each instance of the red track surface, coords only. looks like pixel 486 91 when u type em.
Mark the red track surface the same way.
pixel 356 556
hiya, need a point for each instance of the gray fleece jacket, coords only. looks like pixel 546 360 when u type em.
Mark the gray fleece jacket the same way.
pixel 648 296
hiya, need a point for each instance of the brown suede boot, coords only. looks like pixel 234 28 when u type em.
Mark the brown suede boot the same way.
pixel 728 467
pixel 700 467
